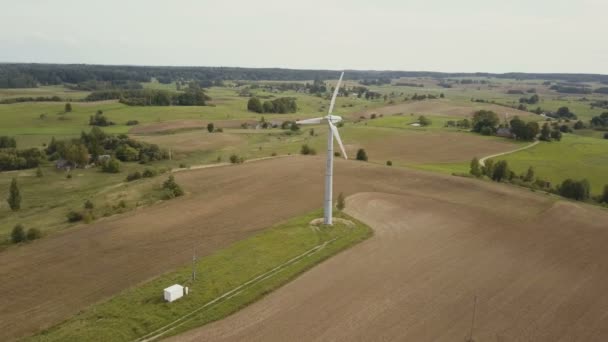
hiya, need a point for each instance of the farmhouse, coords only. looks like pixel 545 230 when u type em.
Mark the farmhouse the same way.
pixel 505 132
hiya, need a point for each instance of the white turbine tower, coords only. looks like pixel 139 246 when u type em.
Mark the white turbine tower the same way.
pixel 329 168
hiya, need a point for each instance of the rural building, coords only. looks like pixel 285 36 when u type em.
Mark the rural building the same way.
pixel 174 292
pixel 505 132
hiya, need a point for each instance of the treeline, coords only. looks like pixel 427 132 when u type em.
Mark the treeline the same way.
pixel 579 190
pixel 14 159
pixel 281 105
pixel 30 75
pixel 192 96
pixel 32 99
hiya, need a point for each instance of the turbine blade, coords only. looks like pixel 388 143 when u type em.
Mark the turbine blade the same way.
pixel 310 121
pixel 337 136
pixel 333 98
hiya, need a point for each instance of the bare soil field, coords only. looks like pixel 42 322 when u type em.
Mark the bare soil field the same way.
pixel 538 268
pixel 193 140
pixel 430 147
pixel 441 107
pixel 177 125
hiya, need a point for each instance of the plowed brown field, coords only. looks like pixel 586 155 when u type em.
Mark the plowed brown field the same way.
pixel 538 268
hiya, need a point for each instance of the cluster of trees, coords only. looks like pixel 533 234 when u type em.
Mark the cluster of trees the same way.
pixel 548 134
pixel 485 122
pixel 361 155
pixel 563 113
pixel 281 105
pixel 522 130
pixel 464 123
pixel 579 190
pixel 417 97
pixel 600 121
pixel 14 159
pixel 530 100
pixel 100 120
pixel 92 145
pixel 192 96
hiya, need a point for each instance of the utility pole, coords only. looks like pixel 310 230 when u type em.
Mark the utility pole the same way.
pixel 470 339
pixel 194 265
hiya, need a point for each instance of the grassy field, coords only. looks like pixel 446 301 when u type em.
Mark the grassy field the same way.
pixel 142 310
pixel 46 201
pixel 44 91
pixel 574 157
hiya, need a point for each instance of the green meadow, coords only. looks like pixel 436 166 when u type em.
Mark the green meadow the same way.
pixel 141 310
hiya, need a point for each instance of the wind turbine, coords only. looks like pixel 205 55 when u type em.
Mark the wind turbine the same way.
pixel 329 168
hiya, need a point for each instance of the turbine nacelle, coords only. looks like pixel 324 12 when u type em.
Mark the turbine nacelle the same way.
pixel 331 119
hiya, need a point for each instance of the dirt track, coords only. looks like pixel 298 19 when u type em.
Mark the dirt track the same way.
pixel 475 237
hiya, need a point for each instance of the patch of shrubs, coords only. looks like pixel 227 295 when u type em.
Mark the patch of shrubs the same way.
pixel 147 173
pixel 74 216
pixel 110 166
pixel 19 234
pixel 132 122
pixel 307 150
pixel 235 159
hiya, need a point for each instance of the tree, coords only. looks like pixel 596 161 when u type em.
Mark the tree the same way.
pixel 210 127
pixel 312 132
pixel 14 196
pixel 579 125
pixel 488 168
pixel 18 234
pixel 361 155
pixel 475 169
pixel 577 190
pixel 545 132
pixel 556 135
pixel 424 121
pixel 389 163
pixel 501 171
pixel 529 177
pixel 172 189
pixel 68 107
pixel 604 197
pixel 294 127
pixel 485 118
pixel 341 203
pixel 267 107
pixel 255 105
pixel 39 173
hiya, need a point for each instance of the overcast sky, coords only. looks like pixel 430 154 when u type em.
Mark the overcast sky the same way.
pixel 435 35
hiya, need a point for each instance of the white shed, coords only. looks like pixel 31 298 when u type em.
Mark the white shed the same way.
pixel 174 292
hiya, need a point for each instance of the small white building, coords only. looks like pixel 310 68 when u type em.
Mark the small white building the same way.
pixel 174 292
